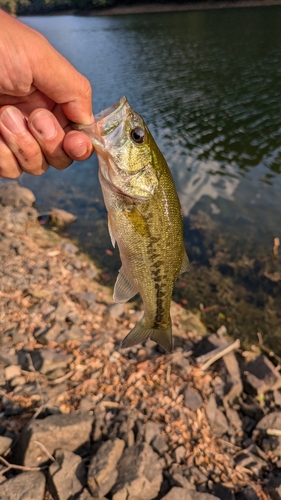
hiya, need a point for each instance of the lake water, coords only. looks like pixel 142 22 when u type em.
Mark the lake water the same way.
pixel 208 84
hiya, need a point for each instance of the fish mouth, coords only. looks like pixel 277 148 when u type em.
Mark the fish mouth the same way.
pixel 105 123
pixel 111 111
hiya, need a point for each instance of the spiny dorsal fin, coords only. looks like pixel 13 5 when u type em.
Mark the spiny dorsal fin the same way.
pixel 123 289
pixel 185 264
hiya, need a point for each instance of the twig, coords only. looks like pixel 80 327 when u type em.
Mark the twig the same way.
pixel 44 449
pixel 63 378
pixel 18 467
pixel 218 353
pixel 273 432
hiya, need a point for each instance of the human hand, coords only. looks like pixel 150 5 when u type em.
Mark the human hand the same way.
pixel 41 93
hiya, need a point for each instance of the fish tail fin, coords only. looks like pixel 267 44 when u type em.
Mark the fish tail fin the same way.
pixel 141 332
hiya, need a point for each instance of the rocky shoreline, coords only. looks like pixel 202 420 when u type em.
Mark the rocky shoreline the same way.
pixel 81 418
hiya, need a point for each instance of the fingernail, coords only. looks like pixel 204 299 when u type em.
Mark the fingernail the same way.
pixel 44 125
pixel 13 120
pixel 79 150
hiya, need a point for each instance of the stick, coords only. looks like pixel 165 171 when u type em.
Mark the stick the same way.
pixel 219 353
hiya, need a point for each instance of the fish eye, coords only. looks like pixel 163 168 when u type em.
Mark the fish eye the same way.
pixel 138 135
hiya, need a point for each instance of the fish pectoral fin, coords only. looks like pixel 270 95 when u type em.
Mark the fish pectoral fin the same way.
pixel 124 288
pixel 113 241
pixel 140 333
pixel 185 264
pixel 138 221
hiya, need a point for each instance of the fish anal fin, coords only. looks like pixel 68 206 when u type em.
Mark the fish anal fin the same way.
pixel 138 221
pixel 185 264
pixel 140 333
pixel 124 288
pixel 113 241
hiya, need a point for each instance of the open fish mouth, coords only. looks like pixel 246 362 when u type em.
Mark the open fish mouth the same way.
pixel 106 122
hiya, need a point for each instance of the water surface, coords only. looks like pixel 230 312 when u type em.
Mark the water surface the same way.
pixel 208 84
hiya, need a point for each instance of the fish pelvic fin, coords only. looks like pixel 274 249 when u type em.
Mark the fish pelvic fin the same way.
pixel 185 264
pixel 124 289
pixel 140 333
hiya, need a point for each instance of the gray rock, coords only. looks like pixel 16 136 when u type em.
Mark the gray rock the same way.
pixel 139 474
pixel 261 376
pixel 102 472
pixel 67 475
pixel 47 360
pixel 270 443
pixel 47 335
pixel 151 430
pixel 74 333
pixel 61 218
pixel 70 248
pixel 70 432
pixel 216 417
pixel 180 452
pixel 159 445
pixel 5 444
pixel 186 494
pixel 24 486
pixel 274 488
pixel 13 195
pixel 179 480
pixel 192 399
pixel 234 419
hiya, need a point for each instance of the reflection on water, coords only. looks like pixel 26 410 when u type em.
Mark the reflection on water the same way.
pixel 208 84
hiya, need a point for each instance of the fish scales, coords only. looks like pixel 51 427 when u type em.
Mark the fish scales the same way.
pixel 144 217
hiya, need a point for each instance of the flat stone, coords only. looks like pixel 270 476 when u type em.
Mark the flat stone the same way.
pixel 216 417
pixel 71 432
pixel 151 430
pixel 48 335
pixel 179 480
pixel 14 195
pixel 18 381
pixel 24 486
pixel 234 419
pixel 11 372
pixel 180 452
pixel 269 442
pixel 187 494
pixel 70 248
pixel 159 445
pixel 5 444
pixel 261 376
pixel 192 399
pixel 61 218
pixel 102 473
pixel 139 474
pixel 67 475
pixel 47 360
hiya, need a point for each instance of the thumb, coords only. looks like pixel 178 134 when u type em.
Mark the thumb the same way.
pixel 58 79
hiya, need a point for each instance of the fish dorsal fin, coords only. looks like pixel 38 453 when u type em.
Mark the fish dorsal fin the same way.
pixel 185 264
pixel 123 289
pixel 113 241
pixel 137 220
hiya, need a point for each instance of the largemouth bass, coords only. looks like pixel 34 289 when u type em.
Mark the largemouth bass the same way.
pixel 144 218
